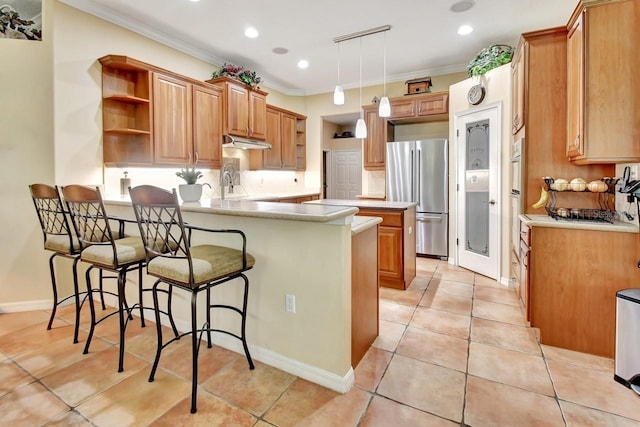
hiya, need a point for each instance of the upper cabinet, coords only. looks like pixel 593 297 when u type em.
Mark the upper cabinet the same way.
pixel 245 111
pixel 603 123
pixel 152 116
pixel 379 131
pixel 421 107
pixel 126 111
pixel 285 131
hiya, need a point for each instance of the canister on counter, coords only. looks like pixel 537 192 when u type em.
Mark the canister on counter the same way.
pixel 125 183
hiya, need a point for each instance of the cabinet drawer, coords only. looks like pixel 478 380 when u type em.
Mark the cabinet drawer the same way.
pixel 389 219
pixel 525 234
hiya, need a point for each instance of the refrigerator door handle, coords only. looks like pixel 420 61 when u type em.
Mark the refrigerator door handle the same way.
pixel 426 218
pixel 419 178
pixel 413 193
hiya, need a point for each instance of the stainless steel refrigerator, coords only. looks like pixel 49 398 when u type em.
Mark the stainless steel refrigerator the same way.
pixel 416 171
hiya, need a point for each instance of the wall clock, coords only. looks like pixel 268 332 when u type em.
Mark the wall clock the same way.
pixel 476 94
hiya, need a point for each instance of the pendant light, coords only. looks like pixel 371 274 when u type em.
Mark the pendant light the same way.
pixel 361 127
pixel 384 109
pixel 338 93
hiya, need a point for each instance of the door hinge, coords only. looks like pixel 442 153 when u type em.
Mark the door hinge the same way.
pixel 457 187
pixel 457 132
pixel 457 242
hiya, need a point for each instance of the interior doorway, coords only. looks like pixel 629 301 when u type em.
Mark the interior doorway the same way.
pixel 478 134
pixel 346 174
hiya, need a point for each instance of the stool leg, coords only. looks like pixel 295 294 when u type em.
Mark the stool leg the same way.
pixel 194 352
pixel 244 321
pixel 122 278
pixel 102 293
pixel 140 295
pixel 209 317
pixel 77 298
pixel 170 312
pixel 55 291
pixel 92 309
pixel 156 309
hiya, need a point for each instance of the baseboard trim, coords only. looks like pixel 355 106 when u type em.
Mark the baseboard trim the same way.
pixel 14 307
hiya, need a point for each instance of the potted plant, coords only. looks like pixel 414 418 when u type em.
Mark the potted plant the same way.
pixel 191 191
pixel 489 58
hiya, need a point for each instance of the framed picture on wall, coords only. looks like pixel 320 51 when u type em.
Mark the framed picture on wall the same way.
pixel 21 19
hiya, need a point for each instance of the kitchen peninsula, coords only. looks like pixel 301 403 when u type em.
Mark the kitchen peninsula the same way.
pixel 396 237
pixel 301 250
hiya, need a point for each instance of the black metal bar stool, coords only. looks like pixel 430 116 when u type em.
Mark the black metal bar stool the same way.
pixel 174 261
pixel 59 239
pixel 106 250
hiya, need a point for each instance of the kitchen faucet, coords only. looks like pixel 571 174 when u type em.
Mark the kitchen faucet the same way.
pixel 226 178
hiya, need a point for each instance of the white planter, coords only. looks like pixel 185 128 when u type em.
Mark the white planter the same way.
pixel 190 192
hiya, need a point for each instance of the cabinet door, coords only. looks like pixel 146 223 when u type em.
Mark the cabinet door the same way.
pixel 390 240
pixel 237 110
pixel 517 90
pixel 172 140
pixel 433 104
pixel 207 126
pixel 402 108
pixel 257 115
pixel 288 140
pixel 374 143
pixel 575 85
pixel 272 159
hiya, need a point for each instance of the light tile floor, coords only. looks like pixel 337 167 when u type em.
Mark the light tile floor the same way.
pixel 453 350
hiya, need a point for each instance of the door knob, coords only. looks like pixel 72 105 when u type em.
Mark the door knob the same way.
pixel 492 202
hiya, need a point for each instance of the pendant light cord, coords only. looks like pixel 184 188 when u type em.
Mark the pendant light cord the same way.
pixel 361 113
pixel 384 64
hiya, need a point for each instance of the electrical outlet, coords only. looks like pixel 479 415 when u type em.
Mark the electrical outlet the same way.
pixel 290 303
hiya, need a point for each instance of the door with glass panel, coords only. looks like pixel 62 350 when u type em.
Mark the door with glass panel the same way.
pixel 478 201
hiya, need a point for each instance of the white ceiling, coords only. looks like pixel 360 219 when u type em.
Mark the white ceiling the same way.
pixel 422 40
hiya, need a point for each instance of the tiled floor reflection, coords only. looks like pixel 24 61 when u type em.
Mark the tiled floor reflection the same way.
pixel 453 350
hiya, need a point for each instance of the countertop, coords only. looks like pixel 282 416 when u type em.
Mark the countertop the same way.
pixel 267 197
pixel 364 204
pixel 547 221
pixel 371 196
pixel 362 223
pixel 269 210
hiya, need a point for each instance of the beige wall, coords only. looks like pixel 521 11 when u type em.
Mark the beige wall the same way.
pixel 498 85
pixel 26 152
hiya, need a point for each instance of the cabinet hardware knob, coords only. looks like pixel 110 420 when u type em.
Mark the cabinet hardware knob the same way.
pixel 197 157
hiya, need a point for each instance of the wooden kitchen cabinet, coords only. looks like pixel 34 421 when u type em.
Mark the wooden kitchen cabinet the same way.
pixel 245 110
pixel 574 276
pixel 187 122
pixel 126 111
pixel 207 126
pixel 543 55
pixel 397 246
pixel 603 125
pixel 286 134
pixel 420 106
pixel 379 131
pixel 152 116
pixel 172 130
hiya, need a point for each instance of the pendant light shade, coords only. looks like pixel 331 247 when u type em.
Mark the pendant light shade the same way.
pixel 361 128
pixel 384 109
pixel 338 95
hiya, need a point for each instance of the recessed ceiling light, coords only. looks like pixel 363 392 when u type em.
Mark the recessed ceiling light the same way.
pixel 462 5
pixel 303 63
pixel 279 50
pixel 465 29
pixel 251 32
pixel 195 0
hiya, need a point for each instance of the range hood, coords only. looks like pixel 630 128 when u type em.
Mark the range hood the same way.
pixel 231 141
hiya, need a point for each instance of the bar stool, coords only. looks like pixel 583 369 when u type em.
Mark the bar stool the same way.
pixel 106 250
pixel 59 239
pixel 174 261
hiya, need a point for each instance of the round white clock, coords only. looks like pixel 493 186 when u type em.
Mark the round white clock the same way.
pixel 476 94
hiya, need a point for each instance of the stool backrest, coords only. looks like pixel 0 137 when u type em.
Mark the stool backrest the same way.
pixel 160 221
pixel 53 218
pixel 89 217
